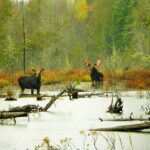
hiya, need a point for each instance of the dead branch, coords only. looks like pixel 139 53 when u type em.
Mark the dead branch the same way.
pixel 8 114
pixel 27 108
pixel 53 99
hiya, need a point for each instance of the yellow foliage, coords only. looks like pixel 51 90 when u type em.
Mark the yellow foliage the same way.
pixel 81 9
pixel 86 77
pixel 3 83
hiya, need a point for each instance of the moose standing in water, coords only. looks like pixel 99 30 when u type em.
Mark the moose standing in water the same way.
pixel 31 82
pixel 96 76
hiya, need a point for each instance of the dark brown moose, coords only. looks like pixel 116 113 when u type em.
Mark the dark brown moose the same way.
pixel 32 82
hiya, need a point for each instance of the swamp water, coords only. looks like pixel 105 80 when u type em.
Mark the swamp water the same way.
pixel 67 118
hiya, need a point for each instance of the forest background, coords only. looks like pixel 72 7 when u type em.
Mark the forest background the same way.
pixel 61 34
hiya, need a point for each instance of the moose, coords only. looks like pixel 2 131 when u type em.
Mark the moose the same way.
pixel 31 82
pixel 96 76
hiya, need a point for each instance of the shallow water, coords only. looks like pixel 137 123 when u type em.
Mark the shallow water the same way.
pixel 67 118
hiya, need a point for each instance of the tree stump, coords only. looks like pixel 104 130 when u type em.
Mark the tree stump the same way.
pixel 117 107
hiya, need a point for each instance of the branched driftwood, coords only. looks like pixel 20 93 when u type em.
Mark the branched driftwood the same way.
pixel 26 108
pixel 117 107
pixel 8 114
pixel 16 112
pixel 126 128
pixel 12 115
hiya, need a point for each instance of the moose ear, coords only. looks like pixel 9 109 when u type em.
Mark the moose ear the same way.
pixel 86 62
pixel 98 62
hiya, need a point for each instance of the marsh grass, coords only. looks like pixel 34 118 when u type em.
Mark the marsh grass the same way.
pixel 131 79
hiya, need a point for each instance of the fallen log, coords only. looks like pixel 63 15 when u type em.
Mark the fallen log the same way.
pixel 126 128
pixel 27 108
pixel 125 119
pixel 7 114
pixel 53 99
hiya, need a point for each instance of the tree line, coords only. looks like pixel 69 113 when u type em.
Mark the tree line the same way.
pixel 60 34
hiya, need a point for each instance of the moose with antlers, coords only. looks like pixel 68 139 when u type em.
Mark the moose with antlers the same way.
pixel 96 76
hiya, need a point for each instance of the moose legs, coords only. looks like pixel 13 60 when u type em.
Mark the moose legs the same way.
pixel 38 91
pixel 97 79
pixel 32 91
pixel 22 90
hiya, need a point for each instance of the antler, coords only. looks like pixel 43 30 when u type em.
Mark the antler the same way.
pixel 86 62
pixel 98 62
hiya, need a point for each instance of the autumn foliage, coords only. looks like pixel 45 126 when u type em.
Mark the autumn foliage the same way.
pixel 133 79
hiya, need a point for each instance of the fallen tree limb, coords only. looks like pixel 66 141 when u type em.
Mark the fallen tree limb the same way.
pixel 27 108
pixel 7 114
pixel 126 128
pixel 53 99
pixel 125 119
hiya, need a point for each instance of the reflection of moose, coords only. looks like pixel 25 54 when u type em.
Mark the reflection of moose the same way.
pixel 96 76
pixel 31 82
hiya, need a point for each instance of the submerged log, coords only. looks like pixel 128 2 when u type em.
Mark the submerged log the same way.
pixel 7 114
pixel 126 128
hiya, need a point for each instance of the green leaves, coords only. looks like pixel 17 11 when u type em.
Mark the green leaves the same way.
pixel 114 30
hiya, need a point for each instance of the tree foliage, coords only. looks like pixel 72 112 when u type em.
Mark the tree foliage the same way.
pixel 61 34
